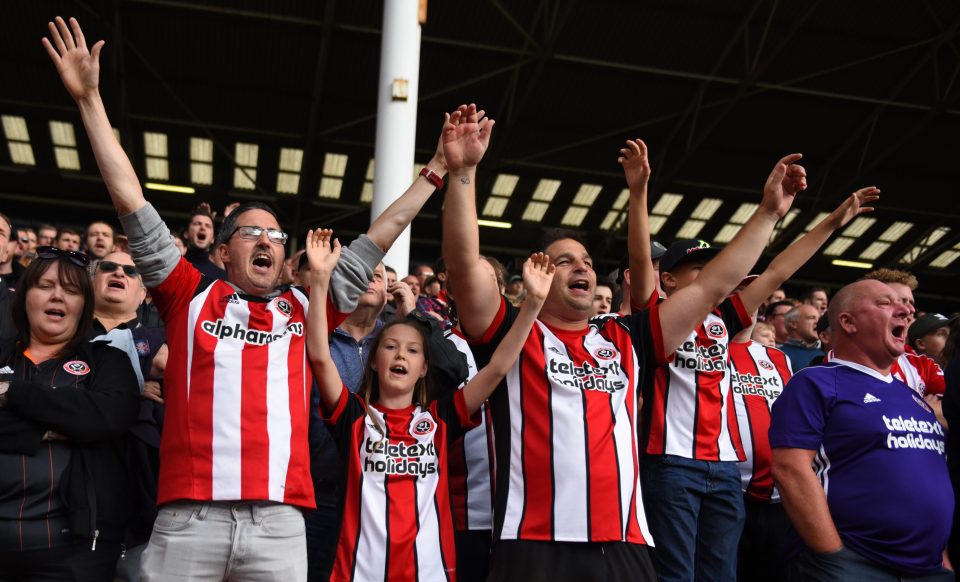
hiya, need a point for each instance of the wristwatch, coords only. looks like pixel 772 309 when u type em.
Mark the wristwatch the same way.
pixel 433 177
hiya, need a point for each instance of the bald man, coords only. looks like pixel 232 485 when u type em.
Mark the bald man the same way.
pixel 849 440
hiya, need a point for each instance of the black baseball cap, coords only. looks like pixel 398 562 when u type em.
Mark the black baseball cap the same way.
pixel 686 250
pixel 927 323
pixel 656 251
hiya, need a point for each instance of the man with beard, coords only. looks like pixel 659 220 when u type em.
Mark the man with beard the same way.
pixel 200 236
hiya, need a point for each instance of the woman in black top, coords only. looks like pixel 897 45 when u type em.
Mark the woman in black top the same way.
pixel 65 407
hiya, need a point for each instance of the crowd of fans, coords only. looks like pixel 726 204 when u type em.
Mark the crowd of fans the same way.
pixel 193 401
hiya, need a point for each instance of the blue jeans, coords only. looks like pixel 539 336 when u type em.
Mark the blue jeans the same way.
pixel 695 511
pixel 323 529
pixel 846 565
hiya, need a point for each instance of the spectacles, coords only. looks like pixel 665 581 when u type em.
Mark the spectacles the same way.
pixel 253 233
pixel 53 253
pixel 111 267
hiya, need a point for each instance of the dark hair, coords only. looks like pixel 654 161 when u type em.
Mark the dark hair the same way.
pixel 113 231
pixel 201 210
pixel 952 349
pixel 605 283
pixel 69 274
pixel 808 294
pixel 370 385
pixel 230 222
pixel 431 280
pixel 768 312
pixel 66 230
pixel 554 234
pixel 389 269
pixel 439 266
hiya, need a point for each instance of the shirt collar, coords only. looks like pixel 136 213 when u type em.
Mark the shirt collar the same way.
pixel 888 378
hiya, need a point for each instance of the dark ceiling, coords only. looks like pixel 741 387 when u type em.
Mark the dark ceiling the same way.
pixel 867 90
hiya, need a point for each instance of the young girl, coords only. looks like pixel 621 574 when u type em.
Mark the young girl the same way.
pixel 396 521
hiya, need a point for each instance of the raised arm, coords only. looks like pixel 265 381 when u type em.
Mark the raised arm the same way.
pixel 323 258
pixel 793 257
pixel 804 499
pixel 636 169
pixel 466 135
pixel 398 216
pixel 537 276
pixel 688 307
pixel 79 69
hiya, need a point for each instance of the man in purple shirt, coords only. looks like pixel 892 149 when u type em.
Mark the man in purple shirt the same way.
pixel 851 444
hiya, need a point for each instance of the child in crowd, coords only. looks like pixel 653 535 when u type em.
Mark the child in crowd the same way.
pixel 396 521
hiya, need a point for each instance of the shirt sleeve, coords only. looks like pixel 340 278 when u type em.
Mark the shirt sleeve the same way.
pixel 734 314
pixel 151 245
pixel 647 336
pixel 932 375
pixel 452 410
pixel 799 415
pixel 341 419
pixel 353 273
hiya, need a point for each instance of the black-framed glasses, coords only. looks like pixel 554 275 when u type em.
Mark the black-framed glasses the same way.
pixel 52 253
pixel 111 267
pixel 254 232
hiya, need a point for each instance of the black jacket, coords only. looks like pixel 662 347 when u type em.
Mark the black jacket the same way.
pixel 91 398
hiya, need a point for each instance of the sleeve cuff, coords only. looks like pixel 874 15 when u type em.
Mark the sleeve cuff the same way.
pixel 334 416
pixel 467 421
pixel 746 320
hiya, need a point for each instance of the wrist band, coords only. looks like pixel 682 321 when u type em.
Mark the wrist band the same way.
pixel 432 177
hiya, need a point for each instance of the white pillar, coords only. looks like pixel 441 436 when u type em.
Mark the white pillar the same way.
pixel 396 118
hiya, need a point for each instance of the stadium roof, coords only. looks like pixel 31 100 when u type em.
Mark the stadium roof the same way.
pixel 276 100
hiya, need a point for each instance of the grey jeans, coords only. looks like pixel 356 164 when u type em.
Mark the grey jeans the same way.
pixel 226 541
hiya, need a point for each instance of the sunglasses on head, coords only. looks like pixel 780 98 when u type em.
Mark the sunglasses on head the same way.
pixel 111 267
pixel 52 253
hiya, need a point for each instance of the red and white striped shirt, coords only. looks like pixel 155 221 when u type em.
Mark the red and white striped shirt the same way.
pixel 237 391
pixel 471 465
pixel 758 375
pixel 917 371
pixel 688 407
pixel 565 432
pixel 397 523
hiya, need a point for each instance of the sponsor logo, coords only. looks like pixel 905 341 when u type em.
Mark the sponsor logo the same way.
pixel 555 350
pixel 585 376
pixel 6 370
pixel 756 385
pixel 251 336
pixel 916 434
pixel 423 427
pixel 77 367
pixel 383 456
pixel 712 358
pixel 284 307
pixel 604 353
pixel 232 298
pixel 766 364
pixel 716 330
pixel 870 399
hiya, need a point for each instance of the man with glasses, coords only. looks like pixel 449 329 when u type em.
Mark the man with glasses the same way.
pixel 235 466
pixel 118 291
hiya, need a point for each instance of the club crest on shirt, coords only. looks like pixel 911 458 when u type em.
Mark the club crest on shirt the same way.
pixel 716 330
pixel 604 353
pixel 284 307
pixel 77 367
pixel 766 364
pixel 423 427
pixel 143 347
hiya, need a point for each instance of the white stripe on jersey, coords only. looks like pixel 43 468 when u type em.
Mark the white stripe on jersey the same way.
pixel 196 307
pixel 227 403
pixel 373 509
pixel 279 423
pixel 821 464
pixel 569 448
pixel 514 510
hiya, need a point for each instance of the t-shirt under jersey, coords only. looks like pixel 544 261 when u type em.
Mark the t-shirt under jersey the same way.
pixel 688 409
pixel 471 461
pixel 396 522
pixel 758 375
pixel 565 431
pixel 879 457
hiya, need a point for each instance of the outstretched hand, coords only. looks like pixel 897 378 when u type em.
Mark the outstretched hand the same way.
pixel 465 137
pixel 538 276
pixel 636 163
pixel 323 252
pixel 786 179
pixel 854 206
pixel 78 67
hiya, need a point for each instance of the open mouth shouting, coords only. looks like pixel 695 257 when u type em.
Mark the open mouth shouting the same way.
pixel 117 284
pixel 580 287
pixel 398 369
pixel 262 262
pixel 899 333
pixel 55 314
